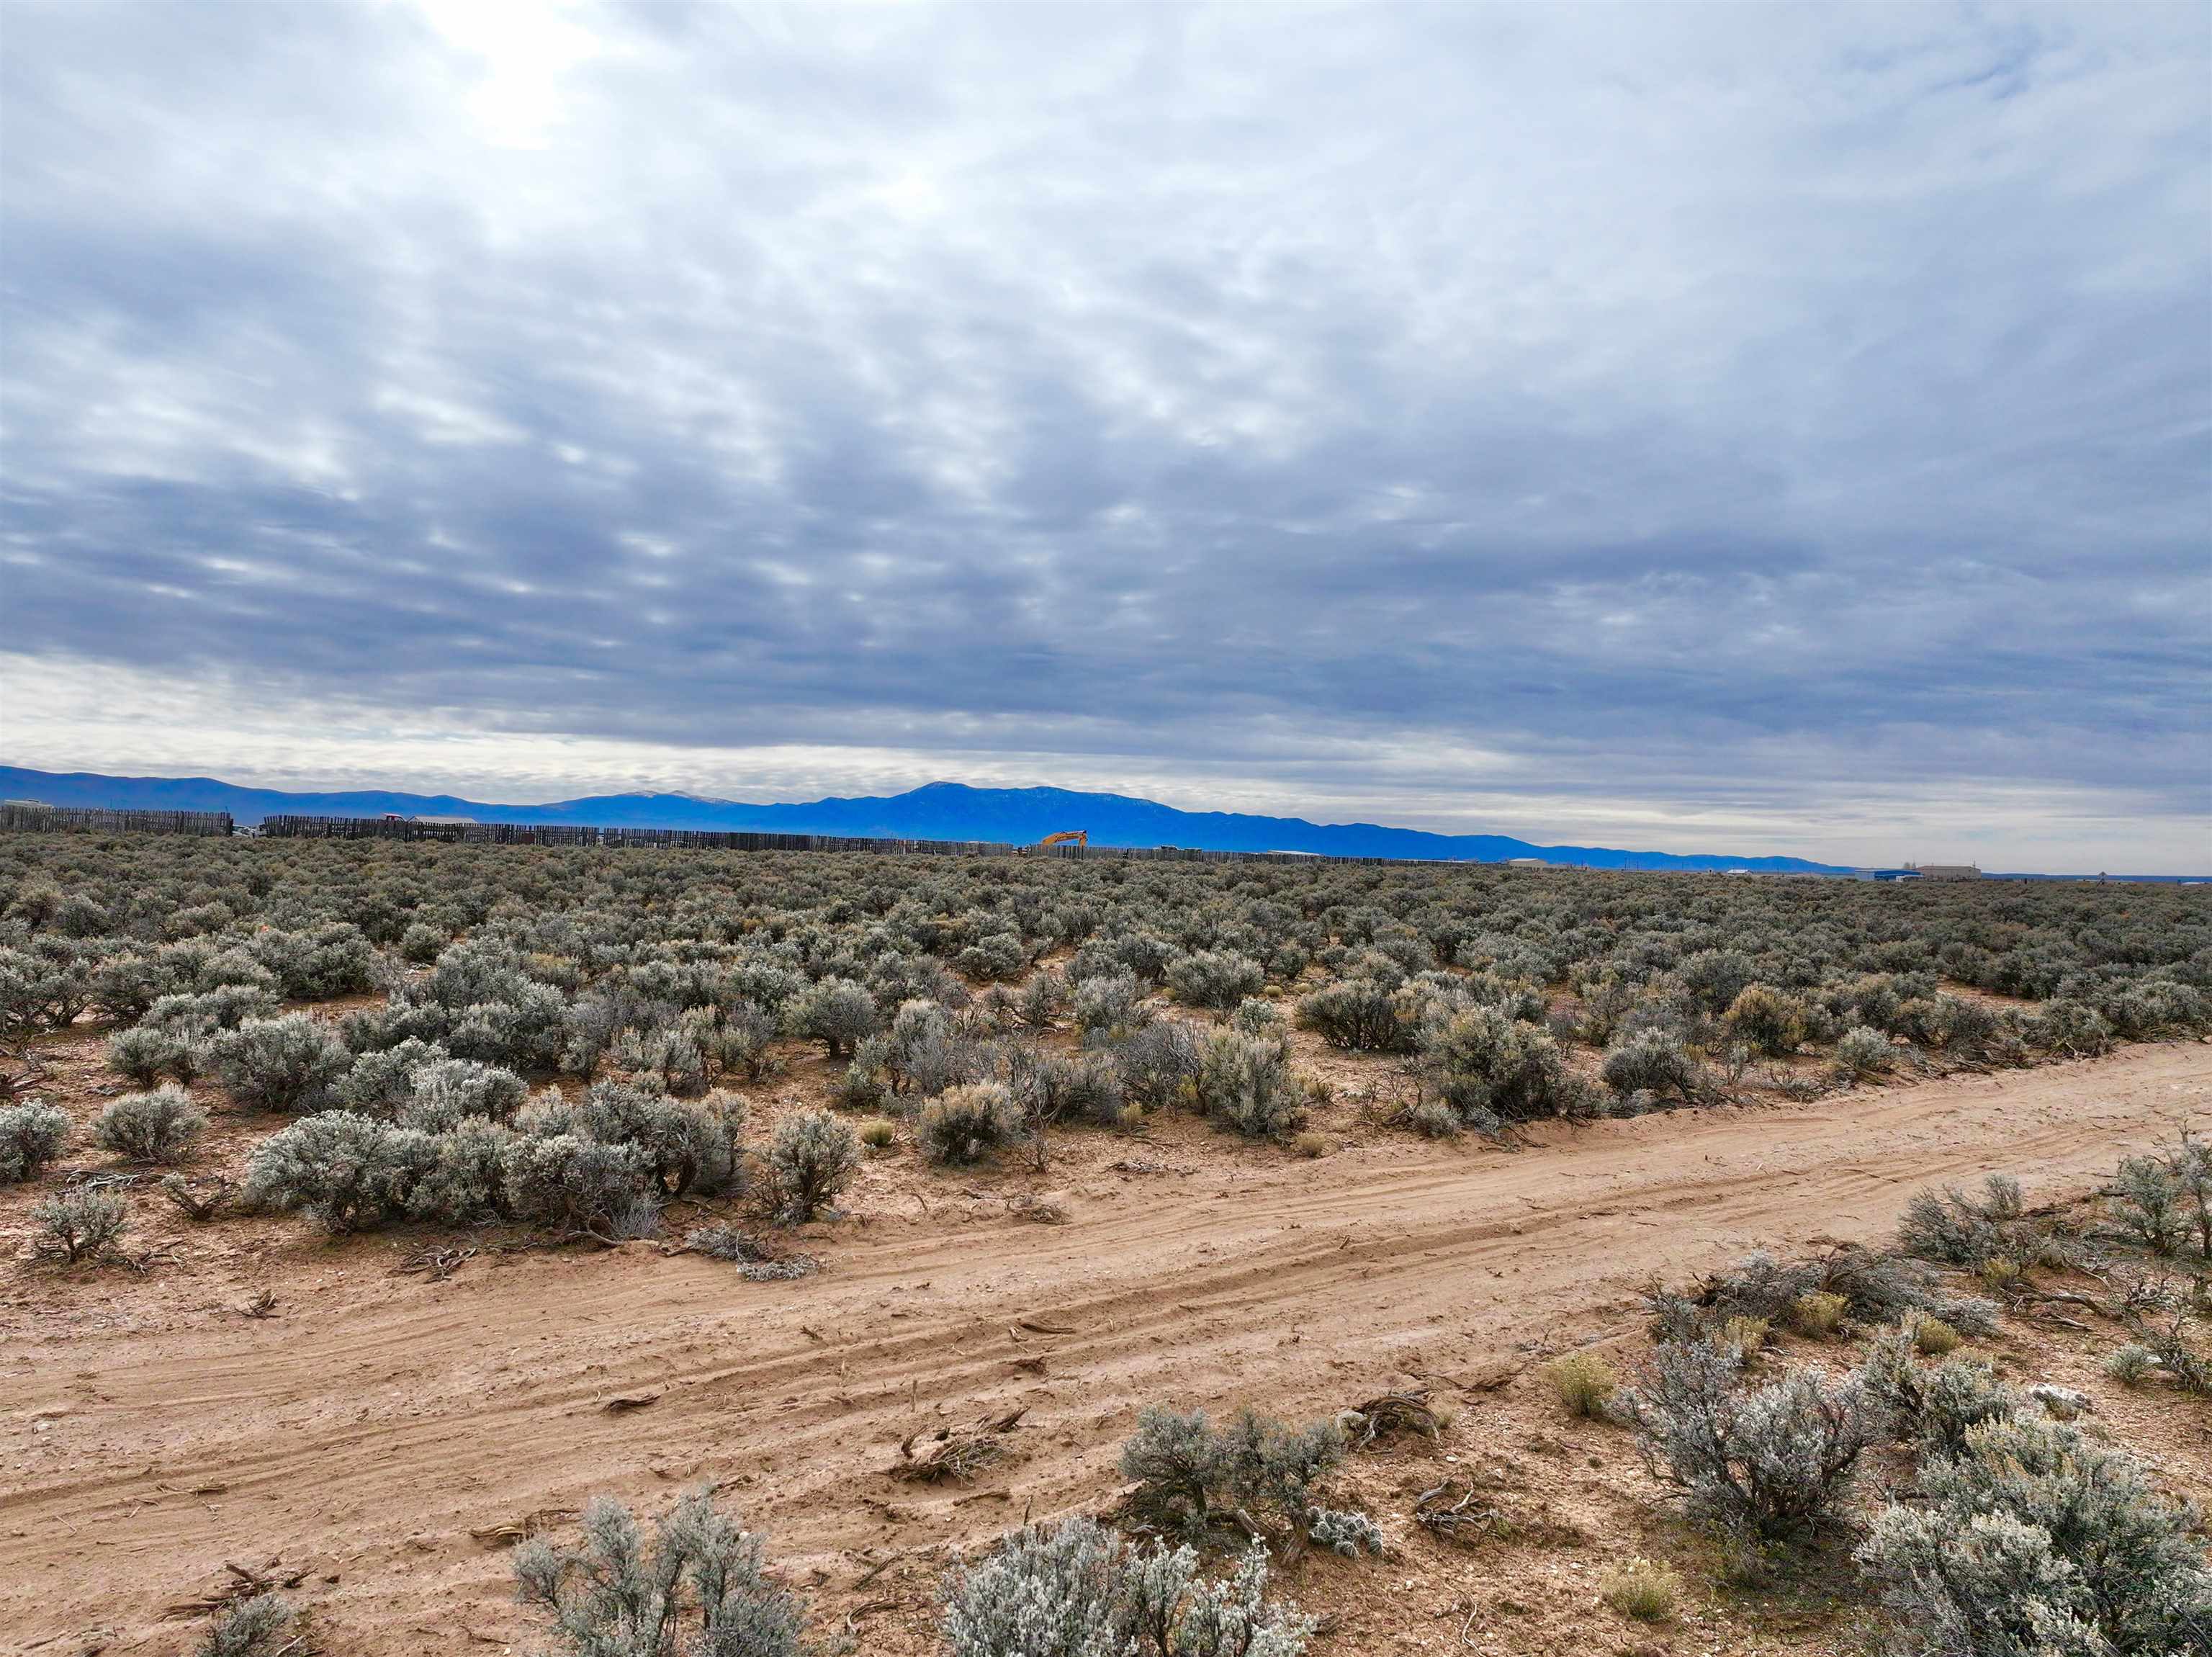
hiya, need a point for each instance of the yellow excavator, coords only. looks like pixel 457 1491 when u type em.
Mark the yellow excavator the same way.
pixel 1070 836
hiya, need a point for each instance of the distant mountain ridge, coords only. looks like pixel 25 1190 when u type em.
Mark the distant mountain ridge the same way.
pixel 937 811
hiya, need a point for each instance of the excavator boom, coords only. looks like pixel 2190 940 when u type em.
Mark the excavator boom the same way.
pixel 1080 836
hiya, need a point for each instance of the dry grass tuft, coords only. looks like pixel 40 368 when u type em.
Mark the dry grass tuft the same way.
pixel 1642 1589
pixel 1585 1384
pixel 1934 1338
pixel 1818 1314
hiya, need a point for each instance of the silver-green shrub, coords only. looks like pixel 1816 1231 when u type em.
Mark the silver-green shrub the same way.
pixel 31 1136
pixel 1076 1589
pixel 968 1124
pixel 811 1158
pixel 1774 1460
pixel 347 1171
pixel 285 1063
pixel 152 1127
pixel 2032 1541
pixel 1192 1476
pixel 696 1590
pixel 79 1225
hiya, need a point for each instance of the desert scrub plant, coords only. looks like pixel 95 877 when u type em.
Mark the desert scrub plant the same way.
pixel 2147 1202
pixel 1076 1589
pixel 811 1158
pixel 2032 1539
pixel 1111 1006
pixel 285 1063
pixel 1344 1531
pixel 1642 1589
pixel 1863 1051
pixel 1655 1063
pixel 248 1628
pixel 836 1012
pixel 2131 1365
pixel 696 1590
pixel 1818 1314
pixel 1360 1015
pixel 686 1145
pixel 1051 1089
pixel 1160 1064
pixel 1933 1406
pixel 142 1056
pixel 1768 1021
pixel 1491 1069
pixel 1214 978
pixel 1191 1476
pixel 160 1126
pixel 878 1133
pixel 442 1092
pixel 196 1205
pixel 1257 1017
pixel 1958 1230
pixel 1584 1384
pixel 757 1262
pixel 968 1124
pixel 31 1136
pixel 1932 1338
pixel 2070 1029
pixel 1244 1084
pixel 568 1181
pixel 345 1171
pixel 1877 1287
pixel 79 1225
pixel 1774 1461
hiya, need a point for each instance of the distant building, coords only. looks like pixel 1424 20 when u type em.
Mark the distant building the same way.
pixel 1946 871
pixel 1526 862
pixel 464 821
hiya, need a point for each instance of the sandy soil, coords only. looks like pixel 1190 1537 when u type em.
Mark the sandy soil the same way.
pixel 148 1433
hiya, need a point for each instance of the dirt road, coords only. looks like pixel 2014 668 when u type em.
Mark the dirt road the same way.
pixel 376 1422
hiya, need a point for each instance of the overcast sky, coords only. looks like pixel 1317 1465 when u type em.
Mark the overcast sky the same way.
pixel 1738 428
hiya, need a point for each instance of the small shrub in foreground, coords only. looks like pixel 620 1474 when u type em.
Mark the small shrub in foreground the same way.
pixel 347 1171
pixel 286 1063
pixel 1818 1314
pixel 141 1054
pixel 1956 1229
pixel 156 1127
pixel 1864 1052
pixel 248 1628
pixel 810 1159
pixel 1076 1589
pixel 1933 1338
pixel 1776 1461
pixel 79 1225
pixel 966 1125
pixel 31 1136
pixel 1656 1064
pixel 2032 1541
pixel 2131 1366
pixel 1191 1475
pixel 696 1590
pixel 1245 1083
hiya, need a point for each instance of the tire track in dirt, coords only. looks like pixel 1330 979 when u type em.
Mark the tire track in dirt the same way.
pixel 376 1426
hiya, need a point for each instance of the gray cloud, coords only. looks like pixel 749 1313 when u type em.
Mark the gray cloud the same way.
pixel 1637 414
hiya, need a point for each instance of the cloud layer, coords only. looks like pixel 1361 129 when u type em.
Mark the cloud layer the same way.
pixel 1634 424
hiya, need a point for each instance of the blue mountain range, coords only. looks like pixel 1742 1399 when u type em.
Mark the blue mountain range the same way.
pixel 938 810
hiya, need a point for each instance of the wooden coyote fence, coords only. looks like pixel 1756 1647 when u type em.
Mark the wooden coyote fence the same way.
pixel 33 818
pixel 289 827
